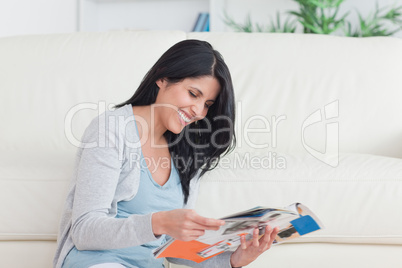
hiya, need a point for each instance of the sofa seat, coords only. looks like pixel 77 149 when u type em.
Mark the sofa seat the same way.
pixel 34 186
pixel 357 202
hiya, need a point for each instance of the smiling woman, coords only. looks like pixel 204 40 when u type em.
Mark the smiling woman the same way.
pixel 188 77
pixel 192 97
pixel 118 211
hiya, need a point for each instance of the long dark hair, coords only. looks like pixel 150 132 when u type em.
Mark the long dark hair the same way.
pixel 199 150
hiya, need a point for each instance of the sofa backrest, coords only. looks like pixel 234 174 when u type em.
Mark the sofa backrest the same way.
pixel 47 80
pixel 286 78
pixel 280 80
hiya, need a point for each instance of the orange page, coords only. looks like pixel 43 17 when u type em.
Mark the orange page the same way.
pixel 186 250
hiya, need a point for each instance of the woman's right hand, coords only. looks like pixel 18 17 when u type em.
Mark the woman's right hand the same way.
pixel 183 224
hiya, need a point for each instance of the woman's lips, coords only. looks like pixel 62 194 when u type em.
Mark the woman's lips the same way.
pixel 184 117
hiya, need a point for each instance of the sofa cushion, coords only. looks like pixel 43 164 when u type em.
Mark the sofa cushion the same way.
pixel 358 202
pixel 353 200
pixel 33 187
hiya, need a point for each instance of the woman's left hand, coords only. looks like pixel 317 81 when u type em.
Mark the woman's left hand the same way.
pixel 248 251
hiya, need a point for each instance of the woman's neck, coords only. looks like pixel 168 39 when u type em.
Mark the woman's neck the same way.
pixel 149 124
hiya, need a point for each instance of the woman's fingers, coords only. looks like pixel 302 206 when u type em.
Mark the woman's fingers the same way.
pixel 206 223
pixel 269 237
pixel 183 224
pixel 256 243
pixel 274 233
pixel 195 225
pixel 198 224
pixel 243 241
pixel 266 240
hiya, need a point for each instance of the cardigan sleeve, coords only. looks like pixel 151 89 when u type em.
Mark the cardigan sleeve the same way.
pixel 97 175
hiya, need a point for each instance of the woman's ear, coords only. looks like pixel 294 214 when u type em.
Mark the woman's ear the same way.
pixel 161 83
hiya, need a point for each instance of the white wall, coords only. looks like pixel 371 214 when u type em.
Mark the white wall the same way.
pixel 60 16
pixel 18 17
pixel 140 14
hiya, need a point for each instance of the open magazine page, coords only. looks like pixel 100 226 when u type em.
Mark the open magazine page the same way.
pixel 293 221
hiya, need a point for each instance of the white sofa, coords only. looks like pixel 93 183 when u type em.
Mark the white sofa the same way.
pixel 301 99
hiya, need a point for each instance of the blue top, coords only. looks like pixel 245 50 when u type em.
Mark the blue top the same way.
pixel 151 197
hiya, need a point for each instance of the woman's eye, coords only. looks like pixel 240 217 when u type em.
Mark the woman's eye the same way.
pixel 192 94
pixel 208 105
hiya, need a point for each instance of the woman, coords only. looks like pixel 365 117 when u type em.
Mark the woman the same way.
pixel 138 184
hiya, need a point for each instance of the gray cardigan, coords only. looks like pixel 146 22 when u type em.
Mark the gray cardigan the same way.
pixel 107 172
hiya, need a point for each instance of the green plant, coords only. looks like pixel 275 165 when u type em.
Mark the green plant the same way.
pixel 288 27
pixel 313 17
pixel 320 17
pixel 248 26
pixel 373 25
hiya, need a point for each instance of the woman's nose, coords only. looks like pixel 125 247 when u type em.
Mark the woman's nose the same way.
pixel 198 109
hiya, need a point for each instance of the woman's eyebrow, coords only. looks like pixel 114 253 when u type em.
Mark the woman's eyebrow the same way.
pixel 199 91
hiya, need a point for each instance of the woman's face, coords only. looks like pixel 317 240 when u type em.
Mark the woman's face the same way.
pixel 185 102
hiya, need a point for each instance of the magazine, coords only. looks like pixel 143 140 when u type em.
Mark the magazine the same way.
pixel 293 221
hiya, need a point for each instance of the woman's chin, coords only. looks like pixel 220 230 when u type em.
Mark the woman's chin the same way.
pixel 177 132
pixel 177 129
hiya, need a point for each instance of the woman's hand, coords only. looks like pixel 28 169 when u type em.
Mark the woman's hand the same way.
pixel 248 251
pixel 183 224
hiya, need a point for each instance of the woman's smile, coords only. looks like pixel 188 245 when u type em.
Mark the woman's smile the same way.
pixel 184 117
pixel 184 102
